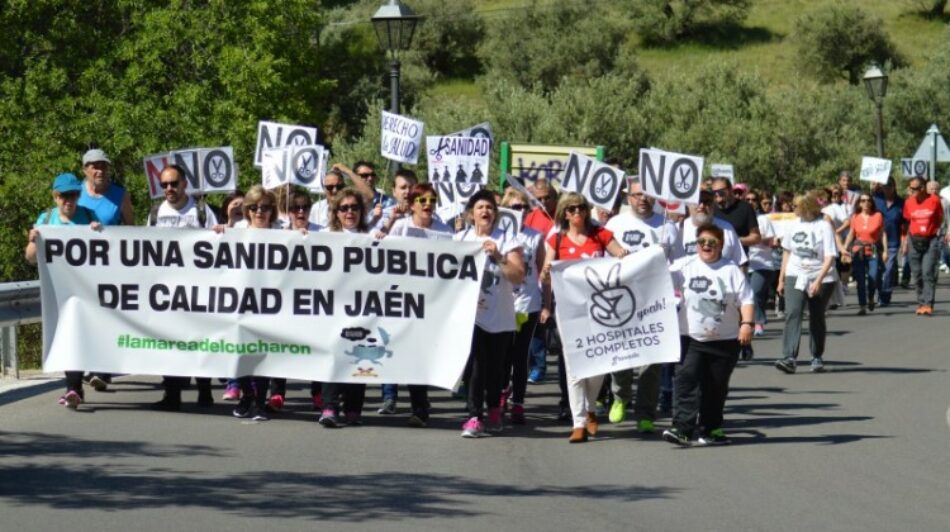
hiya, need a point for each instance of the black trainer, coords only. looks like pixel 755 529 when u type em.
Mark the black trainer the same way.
pixel 245 408
pixel 676 437
pixel 786 365
pixel 169 403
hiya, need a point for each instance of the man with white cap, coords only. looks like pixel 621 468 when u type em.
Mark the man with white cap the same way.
pixel 109 200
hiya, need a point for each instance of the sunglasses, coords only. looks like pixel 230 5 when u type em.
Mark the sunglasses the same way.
pixel 427 200
pixel 711 242
pixel 349 207
pixel 262 207
pixel 367 175
pixel 517 207
pixel 575 208
pixel 332 188
pixel 66 196
pixel 300 208
pixel 169 184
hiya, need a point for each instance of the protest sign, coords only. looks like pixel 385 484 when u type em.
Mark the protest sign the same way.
pixel 207 170
pixel 875 170
pixel 598 182
pixel 154 164
pixel 530 162
pixel 453 197
pixel 458 159
pixel 401 138
pixel 670 176
pixel 276 135
pixel 303 166
pixel 723 170
pixel 330 307
pixel 616 314
pixel 915 167
pixel 482 131
pixel 275 168
pixel 509 221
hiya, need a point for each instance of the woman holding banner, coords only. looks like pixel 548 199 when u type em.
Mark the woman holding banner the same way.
pixel 66 189
pixel 347 215
pixel 495 317
pixel 528 301
pixel 577 237
pixel 716 312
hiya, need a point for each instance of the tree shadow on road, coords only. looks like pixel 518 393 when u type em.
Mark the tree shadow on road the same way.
pixel 287 494
pixel 35 444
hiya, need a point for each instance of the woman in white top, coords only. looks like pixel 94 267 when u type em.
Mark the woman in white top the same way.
pixel 806 278
pixel 527 306
pixel 495 317
pixel 715 319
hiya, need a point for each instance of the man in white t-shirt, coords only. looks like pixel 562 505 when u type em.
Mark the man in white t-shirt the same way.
pixel 703 213
pixel 639 229
pixel 179 210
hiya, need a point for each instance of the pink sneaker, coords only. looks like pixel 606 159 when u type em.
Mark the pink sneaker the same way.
pixel 495 422
pixel 473 429
pixel 503 403
pixel 72 400
pixel 231 393
pixel 276 402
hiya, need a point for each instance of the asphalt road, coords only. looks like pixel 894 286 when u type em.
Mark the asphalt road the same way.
pixel 865 446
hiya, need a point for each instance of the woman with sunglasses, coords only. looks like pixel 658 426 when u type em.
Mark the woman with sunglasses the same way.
pixel 66 190
pixel 577 237
pixel 806 279
pixel 495 316
pixel 866 250
pixel 528 301
pixel 715 315
pixel 347 215
pixel 421 223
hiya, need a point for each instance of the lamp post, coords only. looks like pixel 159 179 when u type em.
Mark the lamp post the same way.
pixel 875 81
pixel 395 24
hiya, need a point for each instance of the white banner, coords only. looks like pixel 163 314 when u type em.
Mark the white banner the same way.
pixel 329 307
pixel 670 176
pixel 458 159
pixel 276 135
pixel 598 182
pixel 875 170
pixel 401 138
pixel 616 314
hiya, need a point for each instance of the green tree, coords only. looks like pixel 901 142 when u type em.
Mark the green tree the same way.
pixel 839 40
pixel 665 21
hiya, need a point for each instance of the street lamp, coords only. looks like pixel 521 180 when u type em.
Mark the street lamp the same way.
pixel 395 25
pixel 875 81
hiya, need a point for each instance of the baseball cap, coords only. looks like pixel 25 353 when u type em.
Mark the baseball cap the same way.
pixel 94 156
pixel 67 183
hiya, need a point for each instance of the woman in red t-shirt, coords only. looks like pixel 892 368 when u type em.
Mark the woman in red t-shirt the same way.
pixel 576 238
pixel 866 249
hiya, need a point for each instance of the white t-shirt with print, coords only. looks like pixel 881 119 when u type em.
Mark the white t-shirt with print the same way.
pixel 712 296
pixel 405 227
pixel 187 216
pixel 634 233
pixel 528 295
pixel 731 248
pixel 808 243
pixel 760 255
pixel 496 300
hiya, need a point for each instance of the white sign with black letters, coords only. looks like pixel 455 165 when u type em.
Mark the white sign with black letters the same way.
pixel 154 164
pixel 207 170
pixel 671 176
pixel 598 182
pixel 276 135
pixel 482 130
pixel 914 167
pixel 509 221
pixel 458 159
pixel 453 197
pixel 723 170
pixel 401 138
pixel 875 169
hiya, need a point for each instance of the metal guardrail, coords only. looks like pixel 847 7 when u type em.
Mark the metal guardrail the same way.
pixel 19 305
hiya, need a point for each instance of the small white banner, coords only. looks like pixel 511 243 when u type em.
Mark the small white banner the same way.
pixel 331 307
pixel 401 138
pixel 671 176
pixel 616 314
pixel 875 170
pixel 458 159
pixel 598 182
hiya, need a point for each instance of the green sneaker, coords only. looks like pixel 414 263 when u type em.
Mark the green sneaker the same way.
pixel 645 426
pixel 618 411
pixel 715 437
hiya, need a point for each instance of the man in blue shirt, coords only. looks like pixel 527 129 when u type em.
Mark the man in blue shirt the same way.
pixel 891 206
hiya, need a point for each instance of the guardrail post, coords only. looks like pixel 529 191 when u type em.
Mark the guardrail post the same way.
pixel 8 358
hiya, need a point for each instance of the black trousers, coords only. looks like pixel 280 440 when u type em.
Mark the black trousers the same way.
pixel 701 383
pixel 353 396
pixel 485 371
pixel 74 382
pixel 174 385
pixel 516 360
pixel 255 387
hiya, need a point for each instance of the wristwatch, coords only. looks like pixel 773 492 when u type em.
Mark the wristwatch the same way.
pixel 749 323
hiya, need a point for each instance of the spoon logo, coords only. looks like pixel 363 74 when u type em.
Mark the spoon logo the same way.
pixel 612 304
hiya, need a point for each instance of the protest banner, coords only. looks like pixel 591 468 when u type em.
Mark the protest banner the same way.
pixel 530 162
pixel 911 167
pixel 207 170
pixel 616 314
pixel 598 182
pixel 458 159
pixel 154 164
pixel 401 138
pixel 331 307
pixel 875 170
pixel 670 176
pixel 277 135
pixel 509 221
pixel 723 170
pixel 453 197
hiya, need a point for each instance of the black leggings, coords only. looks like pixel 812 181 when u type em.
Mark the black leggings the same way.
pixel 701 383
pixel 516 359
pixel 485 371
pixel 255 387
pixel 74 382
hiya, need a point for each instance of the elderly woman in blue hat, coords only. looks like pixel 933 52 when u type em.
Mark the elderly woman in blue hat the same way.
pixel 66 190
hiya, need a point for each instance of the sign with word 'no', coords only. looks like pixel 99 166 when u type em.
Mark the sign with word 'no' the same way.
pixel 598 182
pixel 303 166
pixel 453 197
pixel 207 170
pixel 401 138
pixel 616 314
pixel 276 135
pixel 670 176
pixel 875 170
pixel 911 167
pixel 154 164
pixel 458 159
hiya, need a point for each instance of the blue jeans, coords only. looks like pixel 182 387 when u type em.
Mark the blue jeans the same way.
pixel 890 274
pixel 761 285
pixel 867 273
